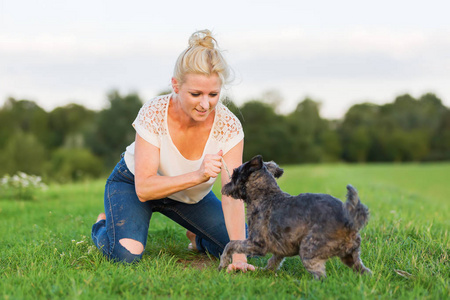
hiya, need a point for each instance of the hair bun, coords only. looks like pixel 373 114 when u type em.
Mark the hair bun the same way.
pixel 202 38
pixel 203 56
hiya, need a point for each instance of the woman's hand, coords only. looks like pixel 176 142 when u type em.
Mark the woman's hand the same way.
pixel 211 166
pixel 240 266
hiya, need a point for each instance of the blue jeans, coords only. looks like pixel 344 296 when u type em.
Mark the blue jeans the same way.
pixel 129 218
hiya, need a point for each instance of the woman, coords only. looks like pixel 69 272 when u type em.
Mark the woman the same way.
pixel 182 141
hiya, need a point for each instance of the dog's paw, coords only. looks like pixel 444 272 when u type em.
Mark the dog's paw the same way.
pixel 222 266
pixel 366 271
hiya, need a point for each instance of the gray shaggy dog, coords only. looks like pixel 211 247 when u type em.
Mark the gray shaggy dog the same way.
pixel 314 226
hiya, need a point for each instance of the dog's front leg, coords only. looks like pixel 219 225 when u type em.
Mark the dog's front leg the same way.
pixel 245 247
pixel 230 248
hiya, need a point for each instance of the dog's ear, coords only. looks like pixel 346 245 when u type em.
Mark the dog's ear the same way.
pixel 274 169
pixel 256 163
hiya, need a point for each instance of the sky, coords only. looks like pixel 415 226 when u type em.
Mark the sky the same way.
pixel 338 53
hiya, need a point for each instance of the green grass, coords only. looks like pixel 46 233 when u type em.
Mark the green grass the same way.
pixel 46 251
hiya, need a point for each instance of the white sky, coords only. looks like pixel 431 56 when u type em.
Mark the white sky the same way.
pixel 336 52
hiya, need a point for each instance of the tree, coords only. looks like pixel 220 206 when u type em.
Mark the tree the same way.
pixel 23 152
pixel 113 132
pixel 266 133
pixel 410 125
pixel 441 139
pixel 307 132
pixel 330 143
pixel 69 124
pixel 25 116
pixel 357 132
pixel 73 164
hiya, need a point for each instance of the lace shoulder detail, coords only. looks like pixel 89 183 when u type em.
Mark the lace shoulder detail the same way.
pixel 227 126
pixel 152 115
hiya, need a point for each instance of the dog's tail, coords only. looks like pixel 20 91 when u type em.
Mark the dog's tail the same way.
pixel 359 213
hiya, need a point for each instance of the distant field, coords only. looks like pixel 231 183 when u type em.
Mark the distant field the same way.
pixel 46 251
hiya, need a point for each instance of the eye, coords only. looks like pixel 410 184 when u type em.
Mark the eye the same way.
pixel 195 94
pixel 213 94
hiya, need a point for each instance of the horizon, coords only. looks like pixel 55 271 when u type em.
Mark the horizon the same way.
pixel 338 54
pixel 225 99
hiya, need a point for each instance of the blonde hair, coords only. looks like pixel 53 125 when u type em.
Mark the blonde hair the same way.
pixel 203 56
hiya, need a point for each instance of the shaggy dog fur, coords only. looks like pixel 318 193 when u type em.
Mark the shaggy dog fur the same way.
pixel 314 226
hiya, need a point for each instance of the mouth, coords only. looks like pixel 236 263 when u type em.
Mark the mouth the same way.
pixel 201 112
pixel 226 190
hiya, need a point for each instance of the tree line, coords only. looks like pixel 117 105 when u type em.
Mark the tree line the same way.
pixel 72 142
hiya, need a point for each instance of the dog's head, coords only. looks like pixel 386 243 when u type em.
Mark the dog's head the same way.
pixel 236 188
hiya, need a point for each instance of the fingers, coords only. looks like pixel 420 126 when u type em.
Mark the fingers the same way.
pixel 215 157
pixel 212 164
pixel 240 266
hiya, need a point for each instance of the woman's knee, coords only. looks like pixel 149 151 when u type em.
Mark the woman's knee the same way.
pixel 128 251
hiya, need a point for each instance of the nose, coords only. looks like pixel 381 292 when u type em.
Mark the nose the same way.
pixel 204 102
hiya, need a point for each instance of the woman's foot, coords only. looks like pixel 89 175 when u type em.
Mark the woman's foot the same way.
pixel 101 216
pixel 191 236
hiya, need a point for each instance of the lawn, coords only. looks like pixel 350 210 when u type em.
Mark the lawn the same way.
pixel 46 251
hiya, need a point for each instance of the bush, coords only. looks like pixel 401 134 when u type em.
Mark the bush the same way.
pixel 24 153
pixel 20 186
pixel 74 164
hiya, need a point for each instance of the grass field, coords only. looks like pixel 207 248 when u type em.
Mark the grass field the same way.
pixel 46 251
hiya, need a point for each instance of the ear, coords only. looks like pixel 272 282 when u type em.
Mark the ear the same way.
pixel 256 163
pixel 274 169
pixel 175 86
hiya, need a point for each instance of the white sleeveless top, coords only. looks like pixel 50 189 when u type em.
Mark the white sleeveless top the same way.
pixel 151 125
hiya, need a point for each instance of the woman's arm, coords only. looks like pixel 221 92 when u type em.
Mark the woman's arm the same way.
pixel 234 210
pixel 151 186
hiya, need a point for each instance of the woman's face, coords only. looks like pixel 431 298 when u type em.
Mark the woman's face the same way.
pixel 198 95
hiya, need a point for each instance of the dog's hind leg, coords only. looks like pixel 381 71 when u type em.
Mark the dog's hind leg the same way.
pixel 274 262
pixel 353 260
pixel 316 267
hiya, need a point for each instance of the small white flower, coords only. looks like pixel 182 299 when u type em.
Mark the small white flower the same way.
pixel 22 184
pixel 5 181
pixel 90 249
